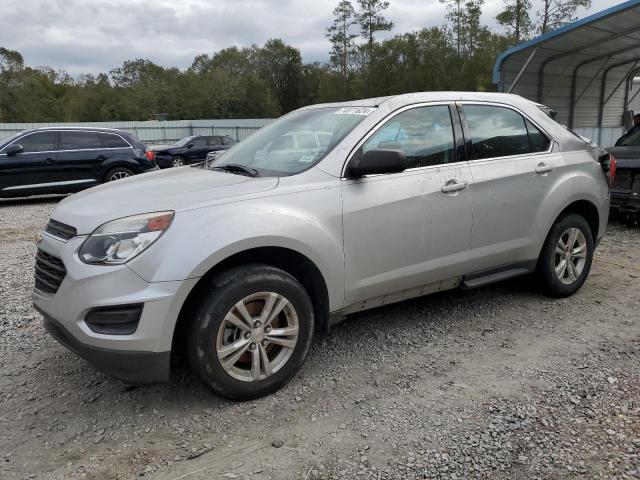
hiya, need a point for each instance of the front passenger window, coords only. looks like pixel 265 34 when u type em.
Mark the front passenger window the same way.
pixel 38 142
pixel 424 134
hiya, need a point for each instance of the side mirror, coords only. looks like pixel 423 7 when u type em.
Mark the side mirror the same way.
pixel 14 149
pixel 377 161
pixel 190 145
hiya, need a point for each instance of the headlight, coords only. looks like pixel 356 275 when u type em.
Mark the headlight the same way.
pixel 119 241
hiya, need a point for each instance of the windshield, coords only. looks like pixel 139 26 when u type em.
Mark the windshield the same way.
pixel 294 143
pixel 183 141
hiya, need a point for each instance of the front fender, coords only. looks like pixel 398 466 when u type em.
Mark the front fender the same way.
pixel 200 239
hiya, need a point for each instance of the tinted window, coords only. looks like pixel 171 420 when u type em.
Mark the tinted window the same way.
pixel 214 141
pixel 227 140
pixel 79 140
pixel 630 140
pixel 110 140
pixel 198 142
pixel 424 134
pixel 496 131
pixel 38 142
pixel 539 141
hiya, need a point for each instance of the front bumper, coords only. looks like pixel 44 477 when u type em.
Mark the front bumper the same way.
pixel 139 357
pixel 137 368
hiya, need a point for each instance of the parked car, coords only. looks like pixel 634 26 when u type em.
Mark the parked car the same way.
pixel 192 149
pixel 625 190
pixel 65 160
pixel 239 262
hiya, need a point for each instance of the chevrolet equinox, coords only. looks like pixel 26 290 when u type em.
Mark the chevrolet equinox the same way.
pixel 238 261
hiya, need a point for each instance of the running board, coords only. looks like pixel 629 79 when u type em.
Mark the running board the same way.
pixel 496 274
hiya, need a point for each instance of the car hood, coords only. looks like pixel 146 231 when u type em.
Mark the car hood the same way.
pixel 176 189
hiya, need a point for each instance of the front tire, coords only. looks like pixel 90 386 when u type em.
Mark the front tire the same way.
pixel 565 260
pixel 251 331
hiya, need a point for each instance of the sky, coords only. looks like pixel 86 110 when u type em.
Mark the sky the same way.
pixel 91 36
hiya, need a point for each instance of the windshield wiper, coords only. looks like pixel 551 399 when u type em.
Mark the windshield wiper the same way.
pixel 237 168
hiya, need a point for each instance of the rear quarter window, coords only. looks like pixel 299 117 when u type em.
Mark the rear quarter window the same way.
pixel 110 140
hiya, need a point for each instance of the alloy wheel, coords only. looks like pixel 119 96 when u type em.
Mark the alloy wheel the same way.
pixel 177 162
pixel 119 175
pixel 570 256
pixel 257 336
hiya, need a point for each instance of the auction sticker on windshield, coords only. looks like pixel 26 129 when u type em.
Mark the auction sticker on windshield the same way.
pixel 354 111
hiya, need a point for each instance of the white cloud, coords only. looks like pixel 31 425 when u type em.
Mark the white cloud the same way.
pixel 98 35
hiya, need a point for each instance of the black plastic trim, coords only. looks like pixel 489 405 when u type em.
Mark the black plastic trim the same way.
pixel 114 320
pixel 497 274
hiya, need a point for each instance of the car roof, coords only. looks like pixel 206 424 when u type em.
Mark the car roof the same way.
pixel 72 128
pixel 418 97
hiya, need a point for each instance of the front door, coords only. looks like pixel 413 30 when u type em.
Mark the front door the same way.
pixel 410 229
pixel 33 170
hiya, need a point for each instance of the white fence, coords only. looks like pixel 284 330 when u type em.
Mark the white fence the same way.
pixel 154 132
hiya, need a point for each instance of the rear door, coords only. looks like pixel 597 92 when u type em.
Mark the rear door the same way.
pixel 513 170
pixel 34 169
pixel 81 155
pixel 409 229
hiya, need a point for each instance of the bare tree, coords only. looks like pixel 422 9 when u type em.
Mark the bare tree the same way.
pixel 556 13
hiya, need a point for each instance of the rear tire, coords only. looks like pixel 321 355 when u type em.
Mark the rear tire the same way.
pixel 566 257
pixel 117 173
pixel 233 347
pixel 177 162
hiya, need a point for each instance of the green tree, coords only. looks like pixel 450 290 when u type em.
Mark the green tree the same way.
pixel 342 39
pixel 516 19
pixel 280 66
pixel 371 21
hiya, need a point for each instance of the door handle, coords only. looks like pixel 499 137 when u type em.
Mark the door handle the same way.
pixel 543 168
pixel 453 186
pixel 49 161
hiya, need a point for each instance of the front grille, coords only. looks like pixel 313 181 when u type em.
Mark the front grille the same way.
pixel 60 230
pixel 50 272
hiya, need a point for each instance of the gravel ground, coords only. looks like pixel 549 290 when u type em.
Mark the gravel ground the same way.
pixel 498 382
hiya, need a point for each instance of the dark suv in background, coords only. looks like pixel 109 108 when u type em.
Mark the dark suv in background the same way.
pixel 65 160
pixel 192 149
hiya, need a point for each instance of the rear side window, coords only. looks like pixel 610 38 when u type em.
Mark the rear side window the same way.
pixel 214 141
pixel 424 134
pixel 38 142
pixel 496 131
pixel 109 140
pixel 539 141
pixel 227 140
pixel 76 140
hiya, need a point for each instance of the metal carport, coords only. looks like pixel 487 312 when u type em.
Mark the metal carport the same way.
pixel 583 70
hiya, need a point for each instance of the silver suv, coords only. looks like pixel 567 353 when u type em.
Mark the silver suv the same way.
pixel 237 262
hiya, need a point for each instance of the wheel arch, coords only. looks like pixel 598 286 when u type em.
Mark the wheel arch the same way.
pixel 301 267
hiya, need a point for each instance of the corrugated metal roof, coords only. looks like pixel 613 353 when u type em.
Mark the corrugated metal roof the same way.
pixel 579 70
